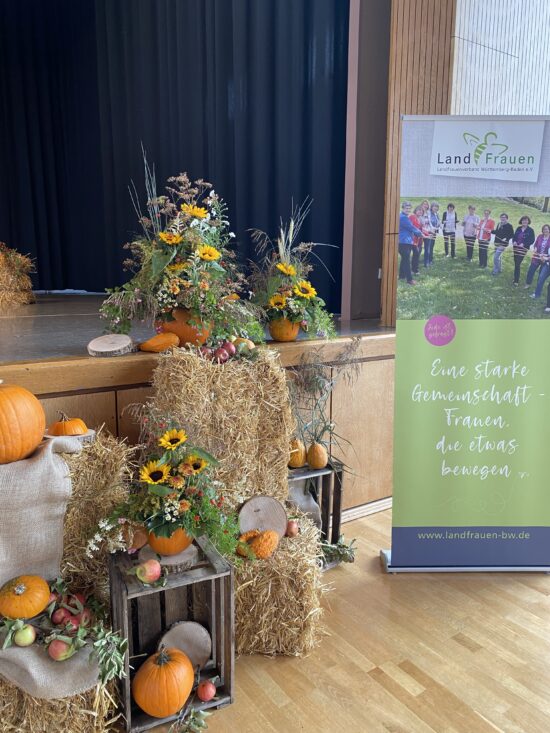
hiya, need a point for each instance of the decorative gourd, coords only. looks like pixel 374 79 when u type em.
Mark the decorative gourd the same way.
pixel 262 544
pixel 163 683
pixel 173 545
pixel 187 334
pixel 160 342
pixel 68 426
pixel 22 423
pixel 281 329
pixel 298 454
pixel 247 342
pixel 317 456
pixel 24 597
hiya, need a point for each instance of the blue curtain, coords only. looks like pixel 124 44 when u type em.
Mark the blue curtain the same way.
pixel 248 94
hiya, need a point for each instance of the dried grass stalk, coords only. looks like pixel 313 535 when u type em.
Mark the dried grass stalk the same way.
pixel 94 711
pixel 15 283
pixel 99 476
pixel 278 601
pixel 239 412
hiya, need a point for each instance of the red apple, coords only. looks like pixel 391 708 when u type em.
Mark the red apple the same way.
pixel 86 617
pixel 206 690
pixel 221 355
pixel 25 636
pixel 207 352
pixel 292 528
pixel 60 650
pixel 229 347
pixel 59 616
pixel 54 597
pixel 149 571
pixel 72 623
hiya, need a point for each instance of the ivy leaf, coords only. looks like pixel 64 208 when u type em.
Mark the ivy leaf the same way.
pixel 159 490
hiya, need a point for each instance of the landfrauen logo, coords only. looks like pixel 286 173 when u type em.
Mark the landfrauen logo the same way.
pixel 505 149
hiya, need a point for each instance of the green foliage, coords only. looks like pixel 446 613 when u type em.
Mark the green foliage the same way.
pixel 341 552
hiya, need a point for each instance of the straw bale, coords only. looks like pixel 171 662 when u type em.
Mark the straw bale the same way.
pixel 239 411
pixel 99 476
pixel 15 283
pixel 278 601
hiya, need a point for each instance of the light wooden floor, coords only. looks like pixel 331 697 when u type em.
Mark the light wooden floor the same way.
pixel 450 653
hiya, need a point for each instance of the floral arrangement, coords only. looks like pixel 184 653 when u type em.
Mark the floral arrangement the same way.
pixel 281 280
pixel 70 622
pixel 174 490
pixel 183 260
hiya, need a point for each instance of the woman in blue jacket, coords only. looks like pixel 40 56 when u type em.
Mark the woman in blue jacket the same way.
pixel 524 237
pixel 407 232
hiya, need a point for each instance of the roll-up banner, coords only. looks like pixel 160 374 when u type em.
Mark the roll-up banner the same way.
pixel 472 383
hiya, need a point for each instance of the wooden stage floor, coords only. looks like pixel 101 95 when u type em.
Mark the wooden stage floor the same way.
pixel 59 326
pixel 441 653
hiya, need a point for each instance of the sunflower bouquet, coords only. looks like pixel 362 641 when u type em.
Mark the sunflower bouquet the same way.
pixel 174 491
pixel 183 260
pixel 283 291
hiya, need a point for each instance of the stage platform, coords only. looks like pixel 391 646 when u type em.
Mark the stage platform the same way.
pixel 43 348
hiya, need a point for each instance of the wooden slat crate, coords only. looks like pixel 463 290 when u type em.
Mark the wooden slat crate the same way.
pixel 328 484
pixel 203 593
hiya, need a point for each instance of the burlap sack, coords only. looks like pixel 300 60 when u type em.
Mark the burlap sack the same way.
pixel 33 499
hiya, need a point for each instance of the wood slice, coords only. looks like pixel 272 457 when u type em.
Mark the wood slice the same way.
pixel 192 639
pixel 184 560
pixel 113 344
pixel 87 437
pixel 263 512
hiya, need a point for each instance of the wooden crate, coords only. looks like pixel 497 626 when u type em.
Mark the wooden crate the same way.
pixel 203 593
pixel 328 489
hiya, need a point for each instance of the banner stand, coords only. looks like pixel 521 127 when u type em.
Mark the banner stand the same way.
pixel 385 561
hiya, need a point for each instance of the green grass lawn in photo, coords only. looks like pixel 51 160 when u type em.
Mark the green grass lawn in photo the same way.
pixel 463 290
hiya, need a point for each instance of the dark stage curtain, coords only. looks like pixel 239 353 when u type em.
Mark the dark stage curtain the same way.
pixel 248 94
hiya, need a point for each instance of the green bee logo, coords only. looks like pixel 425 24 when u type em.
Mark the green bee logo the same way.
pixel 482 145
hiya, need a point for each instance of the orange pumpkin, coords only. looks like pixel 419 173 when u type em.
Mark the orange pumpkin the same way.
pixel 187 334
pixel 160 342
pixel 317 456
pixel 22 423
pixel 298 454
pixel 281 329
pixel 163 683
pixel 68 426
pixel 176 543
pixel 24 597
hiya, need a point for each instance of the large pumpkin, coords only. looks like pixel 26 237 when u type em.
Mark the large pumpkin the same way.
pixel 281 329
pixel 24 597
pixel 177 542
pixel 163 683
pixel 22 423
pixel 187 334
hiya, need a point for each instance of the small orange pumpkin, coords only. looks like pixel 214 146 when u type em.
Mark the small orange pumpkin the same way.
pixel 163 683
pixel 176 543
pixel 317 456
pixel 22 423
pixel 160 342
pixel 24 597
pixel 298 455
pixel 187 334
pixel 247 342
pixel 262 544
pixel 281 329
pixel 68 426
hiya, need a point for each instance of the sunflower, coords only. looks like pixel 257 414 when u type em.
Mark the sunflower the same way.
pixel 194 464
pixel 304 289
pixel 286 268
pixel 197 211
pixel 232 296
pixel 152 473
pixel 177 267
pixel 170 237
pixel 208 253
pixel 172 439
pixel 184 506
pixel 277 301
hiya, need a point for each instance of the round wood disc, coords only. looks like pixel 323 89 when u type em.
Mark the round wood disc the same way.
pixel 113 344
pixel 174 563
pixel 87 437
pixel 192 639
pixel 263 512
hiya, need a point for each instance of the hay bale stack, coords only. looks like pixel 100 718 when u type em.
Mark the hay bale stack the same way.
pixel 98 474
pixel 240 412
pixel 278 601
pixel 15 283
